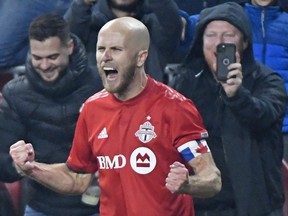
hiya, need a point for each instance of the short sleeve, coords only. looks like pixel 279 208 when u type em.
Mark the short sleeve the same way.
pixel 81 158
pixel 187 124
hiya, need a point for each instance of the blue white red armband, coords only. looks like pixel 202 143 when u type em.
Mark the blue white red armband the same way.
pixel 193 149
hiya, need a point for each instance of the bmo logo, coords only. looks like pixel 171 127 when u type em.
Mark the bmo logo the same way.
pixel 143 160
pixel 119 161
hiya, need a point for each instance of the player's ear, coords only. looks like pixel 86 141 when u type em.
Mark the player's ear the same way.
pixel 142 56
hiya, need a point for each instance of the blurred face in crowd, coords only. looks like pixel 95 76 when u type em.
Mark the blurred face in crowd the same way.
pixel 123 2
pixel 124 5
pixel 263 3
pixel 50 58
pixel 217 32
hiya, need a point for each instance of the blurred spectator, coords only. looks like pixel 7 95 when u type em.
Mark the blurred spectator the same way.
pixel 160 16
pixel 243 115
pixel 270 42
pixel 42 106
pixel 195 6
pixel 191 6
pixel 15 17
pixel 284 4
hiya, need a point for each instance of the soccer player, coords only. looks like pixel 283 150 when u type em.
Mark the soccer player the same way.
pixel 143 137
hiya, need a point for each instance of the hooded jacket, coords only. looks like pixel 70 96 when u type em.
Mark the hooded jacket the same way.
pixel 270 41
pixel 160 17
pixel 245 130
pixel 45 115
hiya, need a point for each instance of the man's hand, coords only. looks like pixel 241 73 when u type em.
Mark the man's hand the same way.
pixel 177 178
pixel 234 78
pixel 23 156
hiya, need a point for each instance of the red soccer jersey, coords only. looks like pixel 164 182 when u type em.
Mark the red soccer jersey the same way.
pixel 132 143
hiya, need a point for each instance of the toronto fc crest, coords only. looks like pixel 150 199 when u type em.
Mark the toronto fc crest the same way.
pixel 146 132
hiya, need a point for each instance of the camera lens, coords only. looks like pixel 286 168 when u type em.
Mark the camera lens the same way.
pixel 226 61
pixel 221 48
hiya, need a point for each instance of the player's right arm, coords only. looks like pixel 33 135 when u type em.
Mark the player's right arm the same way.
pixel 57 177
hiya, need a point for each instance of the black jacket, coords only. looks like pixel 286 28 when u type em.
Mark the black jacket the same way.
pixel 160 17
pixel 244 131
pixel 46 116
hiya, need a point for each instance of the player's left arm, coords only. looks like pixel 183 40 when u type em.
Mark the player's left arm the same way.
pixel 204 183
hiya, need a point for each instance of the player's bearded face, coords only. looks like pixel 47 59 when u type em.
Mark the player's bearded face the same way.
pixel 116 60
pixel 122 83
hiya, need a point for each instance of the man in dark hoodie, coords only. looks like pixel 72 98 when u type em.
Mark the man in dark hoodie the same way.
pixel 160 17
pixel 243 116
pixel 43 106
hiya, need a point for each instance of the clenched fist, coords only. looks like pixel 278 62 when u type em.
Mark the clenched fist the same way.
pixel 23 156
pixel 177 178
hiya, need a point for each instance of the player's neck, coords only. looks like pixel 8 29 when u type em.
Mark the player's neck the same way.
pixel 134 89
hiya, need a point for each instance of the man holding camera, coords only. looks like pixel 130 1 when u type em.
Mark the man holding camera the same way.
pixel 242 113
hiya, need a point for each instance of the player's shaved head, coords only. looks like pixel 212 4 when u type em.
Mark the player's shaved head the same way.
pixel 134 31
pixel 121 52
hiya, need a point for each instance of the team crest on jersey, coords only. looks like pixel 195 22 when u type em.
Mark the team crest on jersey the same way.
pixel 146 132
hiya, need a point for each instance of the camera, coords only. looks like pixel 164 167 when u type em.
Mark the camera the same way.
pixel 225 57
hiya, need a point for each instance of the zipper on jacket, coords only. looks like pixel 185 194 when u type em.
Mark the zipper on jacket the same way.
pixel 220 111
pixel 264 36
